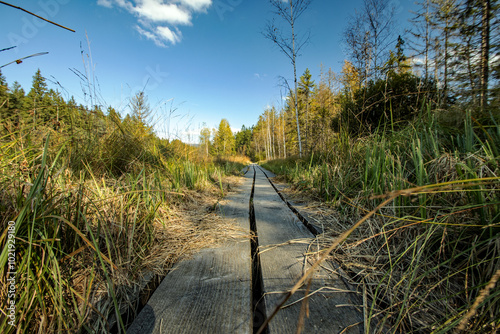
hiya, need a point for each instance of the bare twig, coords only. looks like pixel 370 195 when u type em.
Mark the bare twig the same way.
pixel 41 18
pixel 20 60
pixel 334 245
pixel 9 48
pixel 304 309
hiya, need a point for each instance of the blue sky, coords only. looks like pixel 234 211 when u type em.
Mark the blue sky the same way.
pixel 207 58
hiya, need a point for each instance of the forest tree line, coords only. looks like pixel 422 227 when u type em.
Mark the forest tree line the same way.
pixel 449 62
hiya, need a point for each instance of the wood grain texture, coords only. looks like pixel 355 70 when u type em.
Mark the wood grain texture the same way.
pixel 282 266
pixel 210 293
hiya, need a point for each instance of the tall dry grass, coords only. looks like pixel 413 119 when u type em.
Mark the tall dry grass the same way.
pixel 94 213
pixel 428 261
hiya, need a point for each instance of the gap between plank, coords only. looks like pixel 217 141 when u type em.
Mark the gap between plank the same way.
pixel 258 301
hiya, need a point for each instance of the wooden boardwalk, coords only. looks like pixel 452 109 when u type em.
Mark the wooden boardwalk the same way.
pixel 283 266
pixel 218 289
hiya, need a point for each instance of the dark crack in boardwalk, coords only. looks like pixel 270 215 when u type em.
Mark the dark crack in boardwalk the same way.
pixel 234 288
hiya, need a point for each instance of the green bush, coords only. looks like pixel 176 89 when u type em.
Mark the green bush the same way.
pixel 388 103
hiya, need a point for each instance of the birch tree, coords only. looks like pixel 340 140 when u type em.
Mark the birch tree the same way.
pixel 205 140
pixel 287 40
pixel 224 139
pixel 369 35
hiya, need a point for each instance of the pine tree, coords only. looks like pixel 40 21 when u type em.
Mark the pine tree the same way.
pixel 486 12
pixel 243 141
pixel 397 62
pixel 325 107
pixel 477 30
pixel 15 111
pixel 56 109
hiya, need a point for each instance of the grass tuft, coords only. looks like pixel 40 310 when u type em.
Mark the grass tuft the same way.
pixel 429 259
pixel 93 219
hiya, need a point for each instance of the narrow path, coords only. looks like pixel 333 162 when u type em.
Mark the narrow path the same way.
pixel 209 293
pixel 282 266
pixel 232 289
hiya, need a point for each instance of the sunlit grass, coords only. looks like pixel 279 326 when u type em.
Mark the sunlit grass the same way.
pixel 426 258
pixel 88 228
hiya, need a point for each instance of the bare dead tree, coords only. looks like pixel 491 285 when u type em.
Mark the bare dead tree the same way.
pixel 287 40
pixel 358 46
pixel 422 35
pixel 369 34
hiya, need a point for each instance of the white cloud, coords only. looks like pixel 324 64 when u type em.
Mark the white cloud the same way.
pixel 196 5
pixel 158 19
pixel 162 36
pixel 259 76
pixel 167 34
pixel 157 11
pixel 105 3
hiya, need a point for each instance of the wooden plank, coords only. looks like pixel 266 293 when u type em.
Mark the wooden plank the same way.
pixel 282 266
pixel 210 293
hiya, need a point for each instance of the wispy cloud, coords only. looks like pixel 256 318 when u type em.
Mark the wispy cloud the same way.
pixel 159 20
pixel 259 76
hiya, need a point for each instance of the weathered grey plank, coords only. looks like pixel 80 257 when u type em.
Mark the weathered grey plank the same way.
pixel 210 293
pixel 282 266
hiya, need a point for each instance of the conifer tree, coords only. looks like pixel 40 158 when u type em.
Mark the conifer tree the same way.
pixel 324 104
pixel 243 140
pixel 34 99
pixel 16 97
pixel 477 29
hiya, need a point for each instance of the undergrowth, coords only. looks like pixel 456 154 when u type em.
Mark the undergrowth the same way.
pixel 430 260
pixel 85 215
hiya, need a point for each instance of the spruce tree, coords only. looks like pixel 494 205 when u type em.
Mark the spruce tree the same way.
pixel 16 110
pixel 35 98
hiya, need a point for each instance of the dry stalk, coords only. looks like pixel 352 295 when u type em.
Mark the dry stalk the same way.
pixel 480 298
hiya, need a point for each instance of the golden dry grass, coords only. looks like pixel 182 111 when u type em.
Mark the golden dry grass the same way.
pixel 108 236
pixel 386 260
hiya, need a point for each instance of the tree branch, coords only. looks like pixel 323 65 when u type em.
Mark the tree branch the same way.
pixel 41 18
